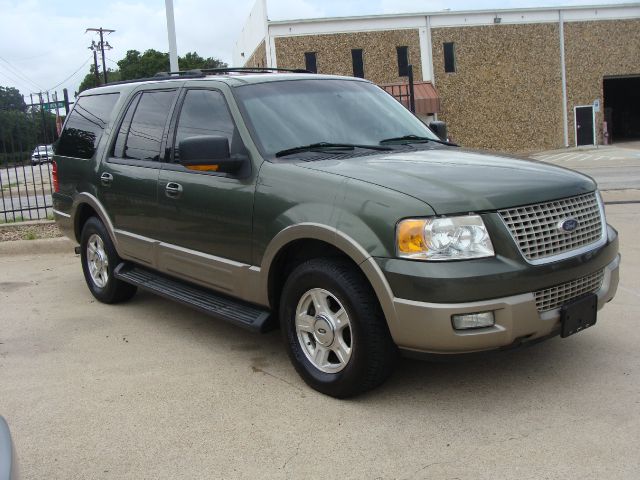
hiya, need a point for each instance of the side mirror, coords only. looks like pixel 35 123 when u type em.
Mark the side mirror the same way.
pixel 440 129
pixel 208 153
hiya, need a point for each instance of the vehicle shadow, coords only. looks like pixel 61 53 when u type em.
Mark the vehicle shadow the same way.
pixel 532 374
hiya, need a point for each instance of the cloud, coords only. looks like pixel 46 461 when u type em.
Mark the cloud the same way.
pixel 47 45
pixel 286 9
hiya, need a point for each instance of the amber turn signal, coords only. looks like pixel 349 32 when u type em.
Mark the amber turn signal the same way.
pixel 410 236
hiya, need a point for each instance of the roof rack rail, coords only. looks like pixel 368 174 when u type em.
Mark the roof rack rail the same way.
pixel 200 73
pixel 161 76
pixel 236 70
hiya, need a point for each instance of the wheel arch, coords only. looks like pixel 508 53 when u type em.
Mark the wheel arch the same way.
pixel 86 206
pixel 305 241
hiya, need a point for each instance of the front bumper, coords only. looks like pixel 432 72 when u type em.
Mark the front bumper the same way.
pixel 427 328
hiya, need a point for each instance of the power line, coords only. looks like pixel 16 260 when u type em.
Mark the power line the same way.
pixel 20 60
pixel 21 75
pixel 11 79
pixel 71 76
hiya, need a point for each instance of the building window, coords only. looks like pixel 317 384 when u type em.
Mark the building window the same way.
pixel 310 62
pixel 358 64
pixel 403 61
pixel 449 57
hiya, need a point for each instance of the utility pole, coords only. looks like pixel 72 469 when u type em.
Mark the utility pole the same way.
pixel 102 46
pixel 44 128
pixel 94 48
pixel 65 92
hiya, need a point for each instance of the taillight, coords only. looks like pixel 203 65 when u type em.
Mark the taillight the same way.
pixel 54 176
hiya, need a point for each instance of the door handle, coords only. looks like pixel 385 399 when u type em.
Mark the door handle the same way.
pixel 173 190
pixel 106 179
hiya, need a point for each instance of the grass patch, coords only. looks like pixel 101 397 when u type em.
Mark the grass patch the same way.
pixel 17 218
pixel 30 235
pixel 10 185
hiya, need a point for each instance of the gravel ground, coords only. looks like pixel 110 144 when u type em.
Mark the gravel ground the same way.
pixel 28 231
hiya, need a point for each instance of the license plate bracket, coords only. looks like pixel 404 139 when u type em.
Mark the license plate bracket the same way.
pixel 578 314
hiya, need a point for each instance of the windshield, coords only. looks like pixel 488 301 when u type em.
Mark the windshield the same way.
pixel 288 114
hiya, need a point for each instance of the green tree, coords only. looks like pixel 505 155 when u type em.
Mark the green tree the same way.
pixel 192 61
pixel 136 65
pixel 22 127
pixel 89 80
pixel 11 99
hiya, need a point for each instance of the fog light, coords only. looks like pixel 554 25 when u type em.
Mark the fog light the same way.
pixel 473 320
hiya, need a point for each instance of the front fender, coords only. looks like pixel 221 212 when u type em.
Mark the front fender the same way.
pixel 339 240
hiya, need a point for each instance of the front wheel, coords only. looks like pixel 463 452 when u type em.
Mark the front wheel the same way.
pixel 99 259
pixel 334 329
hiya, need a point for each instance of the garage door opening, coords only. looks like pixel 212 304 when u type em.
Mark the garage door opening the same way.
pixel 622 108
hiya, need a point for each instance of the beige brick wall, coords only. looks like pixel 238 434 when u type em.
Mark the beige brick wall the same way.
pixel 506 93
pixel 259 57
pixel 333 52
pixel 594 50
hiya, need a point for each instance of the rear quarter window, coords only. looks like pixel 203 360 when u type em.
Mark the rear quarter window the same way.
pixel 85 125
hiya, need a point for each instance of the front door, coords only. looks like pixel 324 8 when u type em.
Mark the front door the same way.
pixel 206 216
pixel 584 126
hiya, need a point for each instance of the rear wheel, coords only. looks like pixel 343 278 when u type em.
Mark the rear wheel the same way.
pixel 334 329
pixel 99 259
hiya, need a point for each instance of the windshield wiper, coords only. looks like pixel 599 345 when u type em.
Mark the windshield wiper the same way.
pixel 323 146
pixel 416 139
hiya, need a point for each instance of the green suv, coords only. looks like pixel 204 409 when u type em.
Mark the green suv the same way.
pixel 320 204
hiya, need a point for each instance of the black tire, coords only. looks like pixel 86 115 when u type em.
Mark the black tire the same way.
pixel 113 290
pixel 372 351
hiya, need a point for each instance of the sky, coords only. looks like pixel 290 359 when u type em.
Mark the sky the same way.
pixel 44 47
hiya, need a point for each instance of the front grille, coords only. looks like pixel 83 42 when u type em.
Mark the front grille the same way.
pixel 535 227
pixel 555 297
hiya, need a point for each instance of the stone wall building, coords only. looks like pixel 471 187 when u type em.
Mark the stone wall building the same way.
pixel 515 80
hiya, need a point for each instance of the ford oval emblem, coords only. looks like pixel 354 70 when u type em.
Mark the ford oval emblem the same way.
pixel 567 225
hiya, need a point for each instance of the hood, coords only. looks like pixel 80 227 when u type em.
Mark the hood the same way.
pixel 454 180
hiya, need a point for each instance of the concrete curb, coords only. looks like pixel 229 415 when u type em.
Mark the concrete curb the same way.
pixel 42 246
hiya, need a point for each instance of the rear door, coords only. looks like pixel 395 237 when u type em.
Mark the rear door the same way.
pixel 205 216
pixel 129 177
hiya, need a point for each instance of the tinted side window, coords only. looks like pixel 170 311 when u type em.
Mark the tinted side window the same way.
pixel 121 139
pixel 205 112
pixel 145 133
pixel 85 125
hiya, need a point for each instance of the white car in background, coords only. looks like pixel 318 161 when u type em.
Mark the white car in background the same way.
pixel 42 154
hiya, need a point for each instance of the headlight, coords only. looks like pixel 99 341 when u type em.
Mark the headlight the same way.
pixel 443 238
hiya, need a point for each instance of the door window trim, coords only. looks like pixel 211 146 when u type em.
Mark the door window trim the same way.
pixel 575 124
pixel 168 160
pixel 135 97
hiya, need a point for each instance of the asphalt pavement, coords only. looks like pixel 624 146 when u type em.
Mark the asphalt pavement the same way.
pixel 151 389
